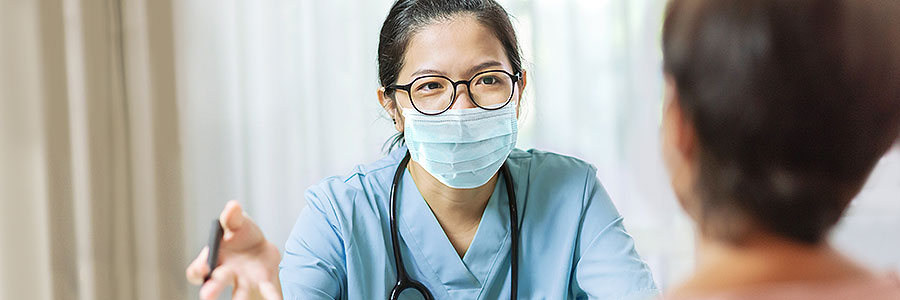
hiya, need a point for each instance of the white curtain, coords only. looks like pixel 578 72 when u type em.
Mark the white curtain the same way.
pixel 276 95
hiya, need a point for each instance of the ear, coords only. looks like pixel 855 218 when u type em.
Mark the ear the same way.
pixel 390 106
pixel 677 127
pixel 523 82
pixel 679 147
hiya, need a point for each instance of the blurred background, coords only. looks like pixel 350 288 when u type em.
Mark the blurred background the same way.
pixel 127 124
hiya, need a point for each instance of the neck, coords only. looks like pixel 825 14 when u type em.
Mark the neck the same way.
pixel 458 211
pixel 763 260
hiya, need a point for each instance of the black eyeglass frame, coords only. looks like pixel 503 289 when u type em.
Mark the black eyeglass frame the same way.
pixel 407 88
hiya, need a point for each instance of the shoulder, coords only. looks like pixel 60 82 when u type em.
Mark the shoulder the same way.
pixel 551 164
pixel 880 287
pixel 557 178
pixel 562 184
pixel 369 183
pixel 553 172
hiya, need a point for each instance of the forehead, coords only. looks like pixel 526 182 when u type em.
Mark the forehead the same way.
pixel 452 47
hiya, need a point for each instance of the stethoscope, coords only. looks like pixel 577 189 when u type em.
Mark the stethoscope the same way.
pixel 403 280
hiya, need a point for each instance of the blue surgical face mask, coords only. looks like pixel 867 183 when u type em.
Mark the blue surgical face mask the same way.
pixel 462 148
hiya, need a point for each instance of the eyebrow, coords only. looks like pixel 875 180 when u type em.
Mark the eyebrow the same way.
pixel 471 71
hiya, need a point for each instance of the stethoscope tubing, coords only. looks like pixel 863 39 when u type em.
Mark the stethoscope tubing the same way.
pixel 403 280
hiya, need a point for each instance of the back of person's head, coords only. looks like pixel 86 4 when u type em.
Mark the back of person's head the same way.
pixel 792 102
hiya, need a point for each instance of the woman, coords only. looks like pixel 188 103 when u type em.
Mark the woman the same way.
pixel 776 113
pixel 452 78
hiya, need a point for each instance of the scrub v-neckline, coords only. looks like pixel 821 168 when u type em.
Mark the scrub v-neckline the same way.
pixel 427 241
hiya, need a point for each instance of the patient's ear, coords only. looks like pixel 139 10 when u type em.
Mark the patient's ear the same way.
pixel 677 126
pixel 679 147
pixel 390 106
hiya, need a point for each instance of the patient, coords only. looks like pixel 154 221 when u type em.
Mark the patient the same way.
pixel 776 113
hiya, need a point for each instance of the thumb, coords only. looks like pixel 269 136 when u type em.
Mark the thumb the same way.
pixel 240 231
pixel 232 218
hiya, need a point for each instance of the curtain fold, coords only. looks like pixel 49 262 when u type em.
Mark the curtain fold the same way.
pixel 91 185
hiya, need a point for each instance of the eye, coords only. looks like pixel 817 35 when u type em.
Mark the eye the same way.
pixel 429 86
pixel 488 80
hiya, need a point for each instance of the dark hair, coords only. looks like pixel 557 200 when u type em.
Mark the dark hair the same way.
pixel 406 17
pixel 793 104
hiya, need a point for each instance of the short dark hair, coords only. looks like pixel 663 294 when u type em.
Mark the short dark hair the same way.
pixel 407 17
pixel 793 104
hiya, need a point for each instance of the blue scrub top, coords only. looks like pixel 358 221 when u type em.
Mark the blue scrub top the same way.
pixel 572 242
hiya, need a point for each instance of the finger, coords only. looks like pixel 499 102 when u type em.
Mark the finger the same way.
pixel 240 231
pixel 221 278
pixel 232 218
pixel 269 291
pixel 241 291
pixel 198 268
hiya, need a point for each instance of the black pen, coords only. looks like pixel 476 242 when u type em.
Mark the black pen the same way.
pixel 215 238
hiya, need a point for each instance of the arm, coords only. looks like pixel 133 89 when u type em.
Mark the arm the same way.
pixel 314 262
pixel 607 265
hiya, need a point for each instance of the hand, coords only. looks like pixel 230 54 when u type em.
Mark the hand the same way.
pixel 246 260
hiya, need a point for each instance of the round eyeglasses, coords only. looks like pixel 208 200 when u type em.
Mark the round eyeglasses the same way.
pixel 435 94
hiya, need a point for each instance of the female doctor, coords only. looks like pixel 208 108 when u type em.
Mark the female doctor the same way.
pixel 455 212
